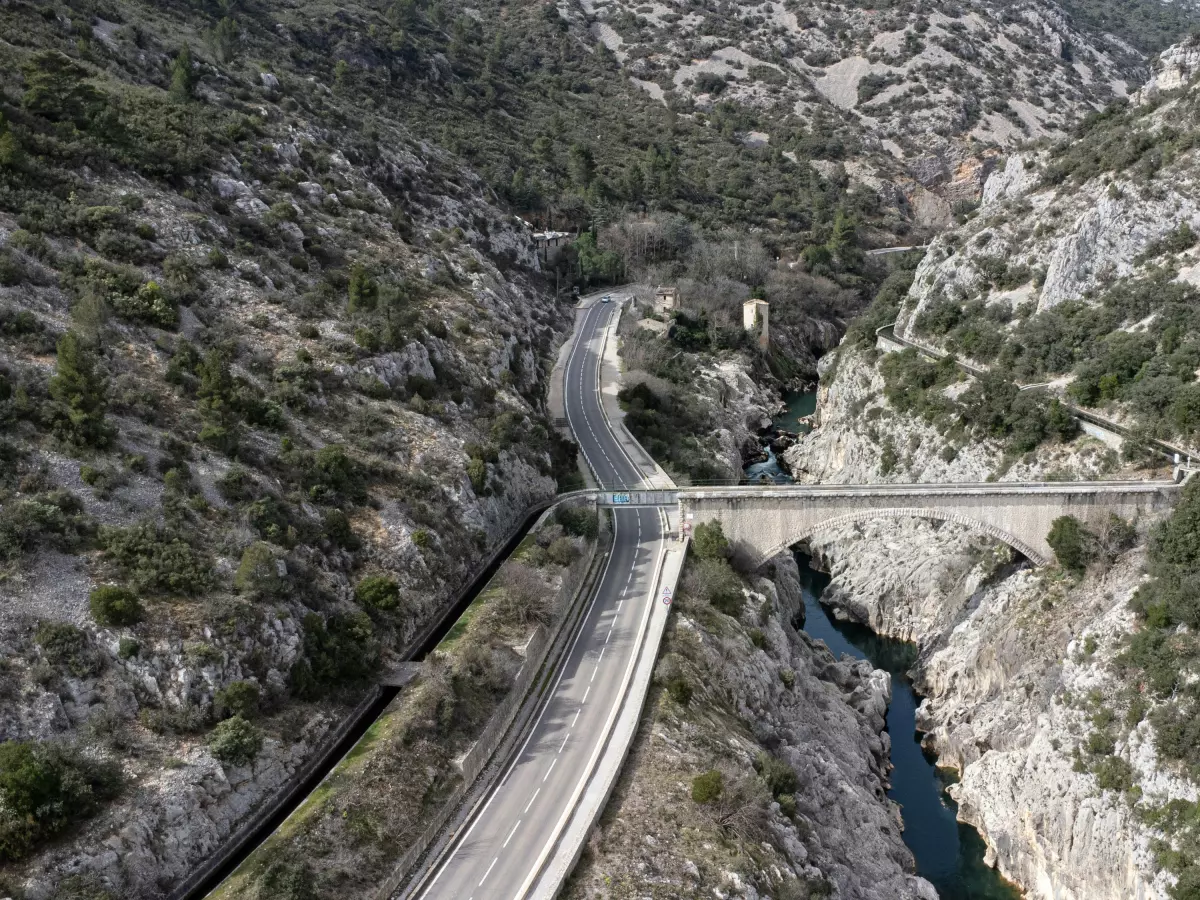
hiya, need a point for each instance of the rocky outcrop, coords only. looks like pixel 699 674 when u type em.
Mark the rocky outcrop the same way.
pixel 860 439
pixel 757 685
pixel 1013 667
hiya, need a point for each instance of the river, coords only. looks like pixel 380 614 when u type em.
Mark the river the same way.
pixel 949 854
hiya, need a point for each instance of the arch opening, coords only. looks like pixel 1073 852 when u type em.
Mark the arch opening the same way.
pixel 803 533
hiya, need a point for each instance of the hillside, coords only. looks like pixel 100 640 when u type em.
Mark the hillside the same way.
pixel 275 340
pixel 914 100
pixel 1061 695
pixel 271 386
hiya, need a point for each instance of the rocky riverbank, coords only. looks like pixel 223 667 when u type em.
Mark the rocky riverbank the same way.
pixel 1016 670
pixel 798 739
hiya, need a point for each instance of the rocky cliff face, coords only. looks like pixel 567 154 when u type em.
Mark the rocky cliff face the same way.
pixel 861 438
pixel 1016 668
pixel 751 687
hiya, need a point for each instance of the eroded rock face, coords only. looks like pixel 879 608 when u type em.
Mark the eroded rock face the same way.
pixel 857 429
pixel 1007 660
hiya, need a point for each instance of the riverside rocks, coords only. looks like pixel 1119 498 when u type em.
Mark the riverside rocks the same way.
pixel 759 685
pixel 1006 680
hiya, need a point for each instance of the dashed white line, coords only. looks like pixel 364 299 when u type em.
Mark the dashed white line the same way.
pixel 489 871
pixel 585 693
pixel 531 799
pixel 549 770
pixel 576 719
pixel 510 834
pixel 564 743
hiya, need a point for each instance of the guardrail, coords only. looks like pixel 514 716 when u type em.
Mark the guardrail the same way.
pixel 544 650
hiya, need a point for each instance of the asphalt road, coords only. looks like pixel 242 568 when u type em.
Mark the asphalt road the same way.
pixel 495 858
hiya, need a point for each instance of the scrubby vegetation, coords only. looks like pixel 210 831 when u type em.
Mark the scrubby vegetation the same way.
pixel 386 791
pixel 1159 662
pixel 991 408
pixel 45 788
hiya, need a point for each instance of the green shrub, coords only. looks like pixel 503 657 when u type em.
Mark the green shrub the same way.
pixel 776 774
pixel 720 586
pixel 55 519
pixel 45 788
pixel 235 741
pixel 337 528
pixel 128 648
pixel 65 645
pixel 579 521
pixel 156 560
pixel 758 639
pixel 115 606
pixel 239 698
pixel 709 542
pixel 680 689
pixel 707 788
pixel 258 574
pixel 788 677
pixel 378 592
pixel 1071 543
pixel 477 474
pixel 342 650
pixel 787 805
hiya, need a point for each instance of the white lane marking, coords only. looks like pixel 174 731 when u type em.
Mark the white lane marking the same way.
pixel 489 871
pixel 585 693
pixel 602 649
pixel 564 743
pixel 608 636
pixel 594 671
pixel 553 762
pixel 619 602
pixel 531 799
pixel 576 719
pixel 510 834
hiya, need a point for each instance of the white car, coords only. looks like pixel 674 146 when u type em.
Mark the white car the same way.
pixel 607 298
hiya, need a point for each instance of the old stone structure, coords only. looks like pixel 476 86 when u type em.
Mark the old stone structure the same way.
pixel 755 318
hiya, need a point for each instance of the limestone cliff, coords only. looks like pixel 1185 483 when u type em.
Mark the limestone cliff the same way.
pixel 1014 665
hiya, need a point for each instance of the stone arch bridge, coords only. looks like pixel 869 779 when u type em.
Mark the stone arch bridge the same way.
pixel 765 520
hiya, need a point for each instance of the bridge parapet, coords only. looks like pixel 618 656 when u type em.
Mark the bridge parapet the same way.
pixel 764 521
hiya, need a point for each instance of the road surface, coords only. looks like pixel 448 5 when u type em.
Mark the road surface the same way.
pixel 496 857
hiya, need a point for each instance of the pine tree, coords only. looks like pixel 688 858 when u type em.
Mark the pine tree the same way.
pixel 363 291
pixel 216 399
pixel 183 76
pixel 79 393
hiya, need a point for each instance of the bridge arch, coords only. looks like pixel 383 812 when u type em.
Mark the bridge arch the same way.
pixel 804 530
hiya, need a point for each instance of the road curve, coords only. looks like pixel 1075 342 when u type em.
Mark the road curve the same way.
pixel 497 853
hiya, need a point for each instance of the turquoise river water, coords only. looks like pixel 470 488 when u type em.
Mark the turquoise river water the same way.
pixel 947 853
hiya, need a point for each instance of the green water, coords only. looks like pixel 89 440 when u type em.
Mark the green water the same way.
pixel 799 403
pixel 948 853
